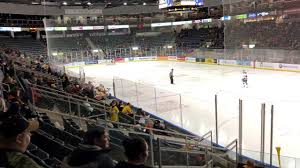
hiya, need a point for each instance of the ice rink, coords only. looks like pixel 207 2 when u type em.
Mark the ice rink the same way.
pixel 198 83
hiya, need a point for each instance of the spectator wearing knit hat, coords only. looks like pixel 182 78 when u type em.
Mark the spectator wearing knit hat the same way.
pixel 14 140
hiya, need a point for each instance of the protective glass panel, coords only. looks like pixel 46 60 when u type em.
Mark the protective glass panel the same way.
pixel 264 35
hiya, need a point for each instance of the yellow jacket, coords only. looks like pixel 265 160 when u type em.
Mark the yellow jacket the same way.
pixel 127 109
pixel 114 114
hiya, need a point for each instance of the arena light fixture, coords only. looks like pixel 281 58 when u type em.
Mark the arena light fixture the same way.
pixel 125 3
pixel 96 50
pixel 251 45
pixel 245 46
pixel 64 3
pixel 169 46
pixel 135 48
pixel 35 3
pixel 89 3
pixel 144 3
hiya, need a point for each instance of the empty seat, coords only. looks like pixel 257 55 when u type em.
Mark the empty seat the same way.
pixel 40 154
pixel 32 147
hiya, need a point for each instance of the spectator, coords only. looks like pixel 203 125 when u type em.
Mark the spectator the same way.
pixel 114 113
pixel 249 164
pixel 149 126
pixel 143 118
pixel 143 121
pixel 121 105
pixel 136 151
pixel 157 125
pixel 127 110
pixel 91 90
pixel 14 140
pixel 93 153
pixel 65 81
pixel 9 80
pixel 100 93
pixel 3 107
pixel 14 104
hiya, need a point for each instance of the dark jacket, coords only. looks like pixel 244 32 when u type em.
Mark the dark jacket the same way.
pixel 88 156
pixel 128 165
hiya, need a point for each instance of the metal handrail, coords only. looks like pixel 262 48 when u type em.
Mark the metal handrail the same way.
pixel 117 123
pixel 69 98
pixel 20 68
pixel 231 143
pixel 122 124
pixel 126 132
pixel 69 94
pixel 235 143
pixel 6 88
pixel 181 150
pixel 179 141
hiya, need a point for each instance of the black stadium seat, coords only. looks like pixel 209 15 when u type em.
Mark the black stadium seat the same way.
pixel 49 144
pixel 41 154
pixel 66 137
pixel 37 160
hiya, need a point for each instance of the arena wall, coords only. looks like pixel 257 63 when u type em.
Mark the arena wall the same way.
pixel 211 61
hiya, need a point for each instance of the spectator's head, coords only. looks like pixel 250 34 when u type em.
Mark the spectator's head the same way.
pixel 97 136
pixel 136 150
pixel 140 111
pixel 15 132
pixel 114 103
pixel 249 164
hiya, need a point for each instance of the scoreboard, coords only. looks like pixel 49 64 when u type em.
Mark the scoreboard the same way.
pixel 165 4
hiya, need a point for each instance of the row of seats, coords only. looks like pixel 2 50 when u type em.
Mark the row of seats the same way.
pixel 28 45
pixel 49 139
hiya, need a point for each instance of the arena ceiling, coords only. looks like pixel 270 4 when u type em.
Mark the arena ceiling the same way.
pixel 82 2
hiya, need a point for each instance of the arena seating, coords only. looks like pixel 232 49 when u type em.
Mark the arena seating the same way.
pixel 203 37
pixel 265 35
pixel 68 44
pixel 26 45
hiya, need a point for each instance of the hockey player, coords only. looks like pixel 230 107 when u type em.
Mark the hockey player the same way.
pixel 245 79
pixel 171 75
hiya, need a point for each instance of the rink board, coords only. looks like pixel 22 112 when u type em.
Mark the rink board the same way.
pixel 208 61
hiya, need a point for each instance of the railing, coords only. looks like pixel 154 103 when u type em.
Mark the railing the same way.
pixel 75 104
pixel 187 148
pixel 286 162
pixel 187 152
pixel 5 87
